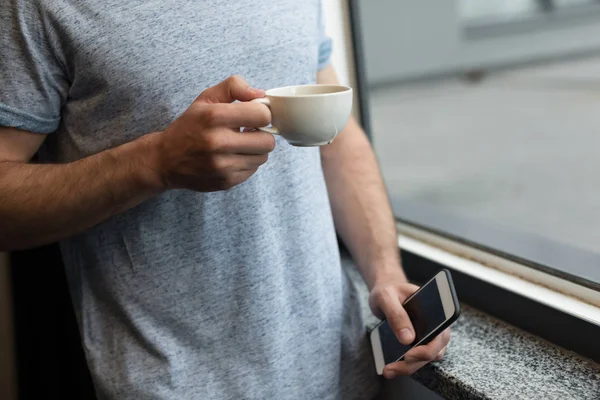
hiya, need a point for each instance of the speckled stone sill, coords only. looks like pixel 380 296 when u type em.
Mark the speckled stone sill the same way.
pixel 489 359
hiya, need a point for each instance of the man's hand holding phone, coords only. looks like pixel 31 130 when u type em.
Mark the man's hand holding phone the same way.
pixel 386 301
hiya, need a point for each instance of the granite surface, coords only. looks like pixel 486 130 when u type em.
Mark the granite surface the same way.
pixel 490 359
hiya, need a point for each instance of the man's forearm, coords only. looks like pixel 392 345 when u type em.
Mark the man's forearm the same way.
pixel 360 205
pixel 42 203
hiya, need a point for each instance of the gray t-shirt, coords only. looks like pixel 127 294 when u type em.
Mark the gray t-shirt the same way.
pixel 228 295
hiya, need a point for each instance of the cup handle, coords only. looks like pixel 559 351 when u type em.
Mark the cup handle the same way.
pixel 269 129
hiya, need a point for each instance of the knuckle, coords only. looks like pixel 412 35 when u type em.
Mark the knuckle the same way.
pixel 219 166
pixel 212 115
pixel 417 355
pixel 431 354
pixel 397 319
pixel 214 142
pixel 380 303
pixel 211 143
pixel 399 314
pixel 235 79
pixel 378 295
pixel 196 107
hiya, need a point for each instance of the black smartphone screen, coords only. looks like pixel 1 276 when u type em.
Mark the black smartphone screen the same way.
pixel 426 313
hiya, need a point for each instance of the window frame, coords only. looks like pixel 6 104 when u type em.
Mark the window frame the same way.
pixel 535 251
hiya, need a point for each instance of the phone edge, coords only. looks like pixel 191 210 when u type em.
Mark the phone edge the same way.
pixel 377 352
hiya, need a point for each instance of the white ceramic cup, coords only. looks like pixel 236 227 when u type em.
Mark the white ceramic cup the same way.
pixel 308 115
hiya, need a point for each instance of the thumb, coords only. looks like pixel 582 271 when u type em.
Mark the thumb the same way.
pixel 388 302
pixel 231 89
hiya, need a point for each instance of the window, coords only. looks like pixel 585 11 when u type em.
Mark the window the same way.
pixel 491 137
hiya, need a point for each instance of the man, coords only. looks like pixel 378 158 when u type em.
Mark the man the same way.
pixel 202 260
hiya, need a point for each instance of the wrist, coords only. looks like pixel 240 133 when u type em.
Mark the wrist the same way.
pixel 148 164
pixel 385 273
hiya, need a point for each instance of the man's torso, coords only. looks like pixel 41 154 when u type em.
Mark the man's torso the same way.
pixel 233 294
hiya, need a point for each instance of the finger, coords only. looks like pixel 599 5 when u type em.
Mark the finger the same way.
pixel 235 115
pixel 232 163
pixel 256 142
pixel 441 354
pixel 402 368
pixel 445 337
pixel 226 141
pixel 396 316
pixel 429 351
pixel 425 353
pixel 375 308
pixel 410 288
pixel 231 89
pixel 418 357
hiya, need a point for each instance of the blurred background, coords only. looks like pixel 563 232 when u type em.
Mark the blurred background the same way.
pixel 489 110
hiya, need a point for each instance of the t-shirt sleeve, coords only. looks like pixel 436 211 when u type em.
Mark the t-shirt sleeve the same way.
pixel 33 87
pixel 325 44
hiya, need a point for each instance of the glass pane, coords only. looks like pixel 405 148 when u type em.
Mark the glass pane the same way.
pixel 515 148
pixel 520 149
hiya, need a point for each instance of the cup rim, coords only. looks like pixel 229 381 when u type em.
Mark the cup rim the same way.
pixel 345 89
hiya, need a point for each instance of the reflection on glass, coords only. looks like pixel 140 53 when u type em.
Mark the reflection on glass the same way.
pixel 519 149
pixel 569 3
pixel 477 9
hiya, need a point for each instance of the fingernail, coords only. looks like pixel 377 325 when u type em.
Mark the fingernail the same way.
pixel 406 336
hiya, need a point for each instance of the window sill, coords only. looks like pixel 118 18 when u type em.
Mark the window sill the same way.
pixel 489 359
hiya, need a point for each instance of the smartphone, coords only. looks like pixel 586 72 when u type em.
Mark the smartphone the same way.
pixel 431 309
